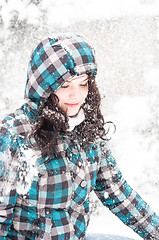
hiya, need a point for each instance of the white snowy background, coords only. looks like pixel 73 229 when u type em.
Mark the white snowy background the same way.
pixel 125 34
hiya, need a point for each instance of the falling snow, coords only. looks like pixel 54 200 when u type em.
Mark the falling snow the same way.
pixel 127 49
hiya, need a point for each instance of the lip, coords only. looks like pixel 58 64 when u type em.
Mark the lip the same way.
pixel 72 104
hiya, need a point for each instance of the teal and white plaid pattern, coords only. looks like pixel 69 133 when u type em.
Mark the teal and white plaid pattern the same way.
pixel 57 204
pixel 45 198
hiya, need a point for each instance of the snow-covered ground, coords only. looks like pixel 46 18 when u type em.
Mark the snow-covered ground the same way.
pixel 125 34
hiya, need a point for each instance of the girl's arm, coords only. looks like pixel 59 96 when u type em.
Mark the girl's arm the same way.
pixel 8 195
pixel 7 204
pixel 123 201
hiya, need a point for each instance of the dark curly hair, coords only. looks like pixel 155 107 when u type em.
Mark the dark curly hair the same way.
pixel 53 121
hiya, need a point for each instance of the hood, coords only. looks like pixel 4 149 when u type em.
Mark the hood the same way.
pixel 54 61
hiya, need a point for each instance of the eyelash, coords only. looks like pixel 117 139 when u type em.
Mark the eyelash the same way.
pixel 64 86
pixel 82 85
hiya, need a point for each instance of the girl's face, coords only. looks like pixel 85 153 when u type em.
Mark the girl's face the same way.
pixel 72 94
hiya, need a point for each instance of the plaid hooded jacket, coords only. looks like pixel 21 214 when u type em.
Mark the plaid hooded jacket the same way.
pixel 48 198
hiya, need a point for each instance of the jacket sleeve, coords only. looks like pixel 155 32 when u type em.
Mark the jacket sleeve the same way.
pixel 115 193
pixel 8 195
pixel 7 204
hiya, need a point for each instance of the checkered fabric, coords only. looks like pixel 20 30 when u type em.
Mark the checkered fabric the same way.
pixel 57 204
pixel 48 198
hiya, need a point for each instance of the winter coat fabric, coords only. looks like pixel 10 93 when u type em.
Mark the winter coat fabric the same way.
pixel 48 198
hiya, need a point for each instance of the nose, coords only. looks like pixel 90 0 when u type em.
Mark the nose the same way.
pixel 74 92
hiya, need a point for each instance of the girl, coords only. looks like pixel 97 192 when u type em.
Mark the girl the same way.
pixel 54 152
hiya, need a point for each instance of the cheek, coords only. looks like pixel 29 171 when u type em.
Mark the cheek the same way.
pixel 85 93
pixel 60 94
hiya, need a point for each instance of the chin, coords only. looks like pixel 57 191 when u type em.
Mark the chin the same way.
pixel 73 113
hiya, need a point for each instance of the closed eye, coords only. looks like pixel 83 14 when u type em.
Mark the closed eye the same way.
pixel 65 86
pixel 84 84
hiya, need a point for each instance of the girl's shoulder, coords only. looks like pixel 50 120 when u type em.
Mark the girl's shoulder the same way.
pixel 100 144
pixel 99 148
pixel 17 161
